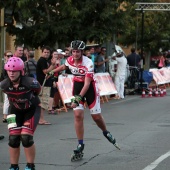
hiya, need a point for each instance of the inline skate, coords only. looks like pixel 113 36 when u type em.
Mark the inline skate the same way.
pixel 30 167
pixel 14 168
pixel 111 139
pixel 78 153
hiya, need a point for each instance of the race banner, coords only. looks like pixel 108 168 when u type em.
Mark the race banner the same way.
pixel 105 84
pixel 65 85
pixel 103 80
pixel 161 76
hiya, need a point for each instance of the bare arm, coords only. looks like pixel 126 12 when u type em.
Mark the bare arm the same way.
pixel 45 71
pixel 60 68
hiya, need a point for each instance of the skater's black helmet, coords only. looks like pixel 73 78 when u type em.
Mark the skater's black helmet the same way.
pixel 78 45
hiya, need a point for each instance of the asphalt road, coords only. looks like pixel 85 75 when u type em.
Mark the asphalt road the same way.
pixel 140 125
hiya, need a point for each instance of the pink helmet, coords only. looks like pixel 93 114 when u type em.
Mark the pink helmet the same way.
pixel 14 64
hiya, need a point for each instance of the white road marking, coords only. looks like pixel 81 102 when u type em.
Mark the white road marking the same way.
pixel 154 164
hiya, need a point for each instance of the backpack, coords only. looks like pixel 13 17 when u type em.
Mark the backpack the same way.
pixel 31 74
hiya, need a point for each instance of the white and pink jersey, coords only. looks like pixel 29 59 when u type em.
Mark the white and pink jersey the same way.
pixel 84 69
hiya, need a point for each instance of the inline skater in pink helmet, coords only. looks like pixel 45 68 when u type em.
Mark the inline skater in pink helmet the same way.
pixel 24 112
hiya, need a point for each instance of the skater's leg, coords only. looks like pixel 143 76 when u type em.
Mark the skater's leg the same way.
pixel 14 155
pixel 30 154
pixel 79 128
pixel 14 150
pixel 101 124
pixel 99 121
pixel 78 124
pixel 29 147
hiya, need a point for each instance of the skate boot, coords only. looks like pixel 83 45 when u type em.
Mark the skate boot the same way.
pixel 30 167
pixel 78 153
pixel 111 139
pixel 14 168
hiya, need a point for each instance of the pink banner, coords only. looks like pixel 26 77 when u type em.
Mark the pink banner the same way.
pixel 161 76
pixel 105 84
pixel 103 80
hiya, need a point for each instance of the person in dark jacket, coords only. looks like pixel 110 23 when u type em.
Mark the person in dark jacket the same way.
pixel 24 111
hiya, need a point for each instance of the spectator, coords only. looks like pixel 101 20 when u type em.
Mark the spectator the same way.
pixel 97 50
pixel 92 54
pixel 168 58
pixel 63 60
pixel 19 52
pixel 54 94
pixel 88 54
pixel 43 67
pixel 133 60
pixel 30 65
pixel 162 61
pixel 120 74
pixel 101 61
pixel 7 55
pixel 25 54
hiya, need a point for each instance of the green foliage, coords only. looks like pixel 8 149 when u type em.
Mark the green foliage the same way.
pixel 51 21
pixel 156 29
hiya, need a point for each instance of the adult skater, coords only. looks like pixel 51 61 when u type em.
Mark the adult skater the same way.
pixel 120 74
pixel 24 111
pixel 84 86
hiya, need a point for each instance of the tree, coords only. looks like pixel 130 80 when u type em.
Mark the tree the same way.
pixel 50 21
pixel 156 29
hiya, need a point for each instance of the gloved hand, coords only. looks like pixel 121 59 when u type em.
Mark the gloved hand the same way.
pixel 76 100
pixel 51 73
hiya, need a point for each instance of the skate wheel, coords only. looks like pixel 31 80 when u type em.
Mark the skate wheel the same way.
pixel 72 158
pixel 116 146
pixel 76 157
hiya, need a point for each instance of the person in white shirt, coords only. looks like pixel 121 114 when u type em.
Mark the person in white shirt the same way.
pixel 120 74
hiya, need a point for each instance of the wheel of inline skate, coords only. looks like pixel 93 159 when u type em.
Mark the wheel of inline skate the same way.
pixel 72 158
pixel 81 156
pixel 77 157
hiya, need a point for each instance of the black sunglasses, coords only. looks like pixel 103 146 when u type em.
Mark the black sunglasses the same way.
pixel 9 55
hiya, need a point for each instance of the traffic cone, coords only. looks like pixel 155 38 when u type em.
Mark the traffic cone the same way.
pixel 164 91
pixel 143 93
pixel 156 93
pixel 150 93
pixel 161 93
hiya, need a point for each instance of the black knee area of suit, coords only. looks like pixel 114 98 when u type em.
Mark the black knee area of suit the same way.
pixel 27 140
pixel 14 141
